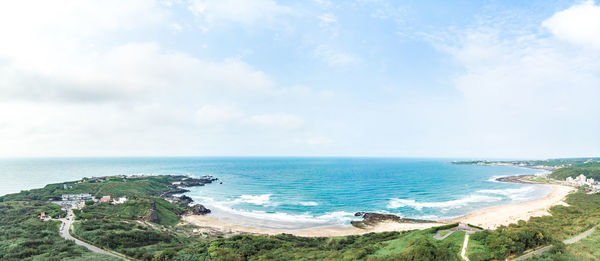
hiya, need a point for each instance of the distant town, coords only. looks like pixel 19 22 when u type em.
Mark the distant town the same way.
pixel 590 185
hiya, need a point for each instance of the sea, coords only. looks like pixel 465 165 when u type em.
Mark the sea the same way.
pixel 296 193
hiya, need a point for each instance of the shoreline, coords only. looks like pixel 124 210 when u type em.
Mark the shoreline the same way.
pixel 493 217
pixel 488 218
pixel 213 224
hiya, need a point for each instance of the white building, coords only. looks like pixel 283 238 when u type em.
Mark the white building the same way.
pixel 569 180
pixel 580 180
pixel 121 200
pixel 72 197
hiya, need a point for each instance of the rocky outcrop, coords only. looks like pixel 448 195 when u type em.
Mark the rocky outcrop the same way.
pixel 198 209
pixel 151 214
pixel 372 219
pixel 184 200
pixel 194 182
pixel 515 179
pixel 181 182
pixel 173 191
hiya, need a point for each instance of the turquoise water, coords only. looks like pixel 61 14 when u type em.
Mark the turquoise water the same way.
pixel 303 192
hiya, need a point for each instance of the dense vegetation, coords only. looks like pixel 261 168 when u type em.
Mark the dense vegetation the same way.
pixel 145 243
pixel 135 208
pixel 24 237
pixel 592 171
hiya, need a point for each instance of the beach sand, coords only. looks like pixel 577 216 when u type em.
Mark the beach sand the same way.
pixel 213 224
pixel 489 218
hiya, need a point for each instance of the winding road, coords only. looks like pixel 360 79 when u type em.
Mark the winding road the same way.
pixel 66 234
pixel 567 242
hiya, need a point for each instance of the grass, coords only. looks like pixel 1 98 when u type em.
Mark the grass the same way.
pixel 587 248
pixel 442 234
pixel 136 208
pixel 475 250
pixel 393 246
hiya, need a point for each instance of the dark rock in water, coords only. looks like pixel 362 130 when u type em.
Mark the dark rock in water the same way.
pixel 173 191
pixel 371 219
pixel 515 179
pixel 198 209
pixel 184 200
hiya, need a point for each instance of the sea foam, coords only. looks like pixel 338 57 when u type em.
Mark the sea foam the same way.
pixel 273 219
pixel 451 204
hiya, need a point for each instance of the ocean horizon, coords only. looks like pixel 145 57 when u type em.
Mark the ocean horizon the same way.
pixel 302 192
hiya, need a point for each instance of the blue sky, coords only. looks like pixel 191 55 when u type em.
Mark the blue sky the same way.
pixel 509 79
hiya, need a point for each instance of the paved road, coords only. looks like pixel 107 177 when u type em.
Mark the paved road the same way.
pixel 530 254
pixel 438 234
pixel 567 242
pixel 579 237
pixel 65 233
pixel 460 227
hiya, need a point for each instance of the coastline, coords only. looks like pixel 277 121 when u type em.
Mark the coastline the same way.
pixel 488 218
pixel 213 224
pixel 493 217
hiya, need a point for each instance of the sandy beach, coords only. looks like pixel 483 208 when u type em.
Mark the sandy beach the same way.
pixel 489 218
pixel 212 224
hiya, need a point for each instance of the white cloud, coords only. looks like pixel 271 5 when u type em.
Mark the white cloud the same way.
pixel 217 114
pixel 326 19
pixel 335 57
pixel 74 71
pixel 216 12
pixel 316 141
pixel 525 91
pixel 276 121
pixel 579 24
pixel 126 72
pixel 67 18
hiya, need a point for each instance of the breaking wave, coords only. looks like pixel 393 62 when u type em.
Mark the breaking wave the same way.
pixel 308 203
pixel 451 204
pixel 273 219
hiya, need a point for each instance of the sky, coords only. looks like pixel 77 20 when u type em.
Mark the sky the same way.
pixel 459 79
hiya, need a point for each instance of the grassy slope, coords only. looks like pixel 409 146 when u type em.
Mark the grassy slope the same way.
pixel 135 208
pixel 454 242
pixel 587 248
pixel 116 187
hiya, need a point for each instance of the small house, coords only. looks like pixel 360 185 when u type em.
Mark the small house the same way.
pixel 105 199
